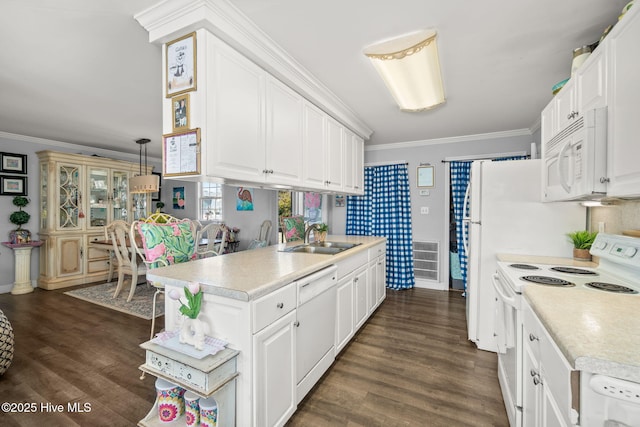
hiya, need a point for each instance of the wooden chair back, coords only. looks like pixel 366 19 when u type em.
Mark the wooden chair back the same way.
pixel 215 238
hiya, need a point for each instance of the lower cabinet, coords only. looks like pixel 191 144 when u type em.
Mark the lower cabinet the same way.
pixel 344 312
pixel 550 385
pixel 274 367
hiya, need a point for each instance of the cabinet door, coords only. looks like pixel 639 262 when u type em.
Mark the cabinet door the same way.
pixel 274 372
pixel 344 312
pixel 237 118
pixel 548 123
pixel 348 161
pixel 99 196
pixel 70 252
pixel 531 389
pixel 69 197
pixel 358 165
pixel 334 155
pixel 284 132
pixel 623 168
pixel 372 283
pixel 120 201
pixel 361 291
pixel 381 279
pixel 551 414
pixel 566 105
pixel 314 142
pixel 592 81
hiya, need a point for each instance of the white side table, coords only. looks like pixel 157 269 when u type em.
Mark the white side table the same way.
pixel 22 253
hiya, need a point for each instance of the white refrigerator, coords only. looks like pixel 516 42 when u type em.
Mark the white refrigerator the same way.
pixel 505 215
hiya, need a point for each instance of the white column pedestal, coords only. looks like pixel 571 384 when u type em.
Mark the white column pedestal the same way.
pixel 22 253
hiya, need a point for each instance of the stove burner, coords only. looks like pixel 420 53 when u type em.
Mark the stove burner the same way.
pixel 572 270
pixel 524 266
pixel 546 280
pixel 610 287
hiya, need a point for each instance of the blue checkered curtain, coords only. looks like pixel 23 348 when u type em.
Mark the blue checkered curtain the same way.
pixel 385 210
pixel 460 172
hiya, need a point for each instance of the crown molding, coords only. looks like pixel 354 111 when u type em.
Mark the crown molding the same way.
pixel 450 140
pixel 170 19
pixel 67 145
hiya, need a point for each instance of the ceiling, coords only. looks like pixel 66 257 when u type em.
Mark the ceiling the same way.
pixel 83 72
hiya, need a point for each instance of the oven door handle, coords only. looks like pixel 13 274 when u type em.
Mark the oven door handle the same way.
pixel 497 285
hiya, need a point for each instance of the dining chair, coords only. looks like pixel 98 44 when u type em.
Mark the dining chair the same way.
pixel 292 228
pixel 214 237
pixel 163 244
pixel 127 259
pixel 263 236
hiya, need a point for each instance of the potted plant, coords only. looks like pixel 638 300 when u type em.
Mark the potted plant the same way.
pixel 582 241
pixel 321 232
pixel 20 217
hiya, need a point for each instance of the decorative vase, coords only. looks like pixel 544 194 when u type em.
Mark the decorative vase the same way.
pixel 321 236
pixel 581 254
pixel 192 332
pixel 19 236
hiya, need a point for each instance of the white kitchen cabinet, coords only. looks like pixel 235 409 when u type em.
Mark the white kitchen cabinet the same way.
pixel 548 122
pixel 334 156
pixel 567 105
pixel 592 81
pixel 353 163
pixel 314 146
pixel 358 165
pixel 623 149
pixel 376 276
pixel 344 312
pixel 274 367
pixel 548 377
pixel 361 293
pixel 79 195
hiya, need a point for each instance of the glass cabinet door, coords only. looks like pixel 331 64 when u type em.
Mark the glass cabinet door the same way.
pixel 70 199
pixel 120 188
pixel 98 197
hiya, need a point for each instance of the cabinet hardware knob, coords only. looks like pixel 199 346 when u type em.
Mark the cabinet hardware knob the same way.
pixel 296 323
pixel 604 180
pixel 280 305
pixel 537 380
pixel 533 373
pixel 533 337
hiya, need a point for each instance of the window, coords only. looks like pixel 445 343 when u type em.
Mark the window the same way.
pixel 210 202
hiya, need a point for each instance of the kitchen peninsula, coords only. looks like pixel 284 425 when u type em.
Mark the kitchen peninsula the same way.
pixel 267 302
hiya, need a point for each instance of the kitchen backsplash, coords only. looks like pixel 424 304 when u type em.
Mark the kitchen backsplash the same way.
pixel 624 215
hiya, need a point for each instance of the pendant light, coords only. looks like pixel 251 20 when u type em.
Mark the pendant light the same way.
pixel 410 68
pixel 144 183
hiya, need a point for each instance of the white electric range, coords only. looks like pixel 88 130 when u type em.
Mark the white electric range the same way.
pixel 618 271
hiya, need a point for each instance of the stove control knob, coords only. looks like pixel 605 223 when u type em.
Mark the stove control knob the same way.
pixel 600 245
pixel 629 252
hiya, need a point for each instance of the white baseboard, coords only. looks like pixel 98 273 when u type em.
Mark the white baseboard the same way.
pixel 5 289
pixel 429 284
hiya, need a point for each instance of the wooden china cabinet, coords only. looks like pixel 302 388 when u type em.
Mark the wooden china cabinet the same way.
pixel 79 195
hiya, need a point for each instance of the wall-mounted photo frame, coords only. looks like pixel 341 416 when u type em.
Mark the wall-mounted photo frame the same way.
pixel 180 112
pixel 13 163
pixel 181 153
pixel 13 185
pixel 181 65
pixel 156 196
pixel 425 177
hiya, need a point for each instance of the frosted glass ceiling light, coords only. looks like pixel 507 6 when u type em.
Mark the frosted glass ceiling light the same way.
pixel 144 183
pixel 410 68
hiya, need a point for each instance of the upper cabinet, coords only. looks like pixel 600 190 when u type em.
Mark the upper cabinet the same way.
pixel 608 78
pixel 255 130
pixel 623 167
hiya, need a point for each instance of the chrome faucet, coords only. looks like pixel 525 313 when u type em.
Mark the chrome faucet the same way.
pixel 306 233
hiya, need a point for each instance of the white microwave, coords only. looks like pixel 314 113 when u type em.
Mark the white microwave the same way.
pixel 575 160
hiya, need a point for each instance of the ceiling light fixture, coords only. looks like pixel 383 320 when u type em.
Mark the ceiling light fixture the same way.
pixel 410 68
pixel 144 183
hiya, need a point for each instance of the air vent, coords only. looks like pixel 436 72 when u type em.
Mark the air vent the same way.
pixel 426 258
pixel 569 130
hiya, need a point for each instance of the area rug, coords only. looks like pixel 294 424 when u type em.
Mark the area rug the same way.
pixel 139 306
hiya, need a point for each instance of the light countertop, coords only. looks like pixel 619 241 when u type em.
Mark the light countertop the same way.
pixel 250 274
pixel 598 332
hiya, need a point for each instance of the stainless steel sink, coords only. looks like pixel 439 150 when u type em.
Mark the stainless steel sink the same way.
pixel 341 245
pixel 309 249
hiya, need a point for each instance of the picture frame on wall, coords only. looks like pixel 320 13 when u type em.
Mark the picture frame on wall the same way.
pixel 180 112
pixel 11 185
pixel 181 153
pixel 425 177
pixel 156 195
pixel 13 163
pixel 180 68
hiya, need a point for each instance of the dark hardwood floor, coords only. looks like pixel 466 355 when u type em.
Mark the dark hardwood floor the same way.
pixel 410 365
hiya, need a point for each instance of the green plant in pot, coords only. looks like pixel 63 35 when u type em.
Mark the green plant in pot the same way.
pixel 19 218
pixel 320 231
pixel 582 241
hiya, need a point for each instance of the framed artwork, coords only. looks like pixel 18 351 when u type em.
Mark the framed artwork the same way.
pixel 180 112
pixel 181 153
pixel 181 65
pixel 155 196
pixel 425 177
pixel 13 163
pixel 178 198
pixel 13 185
pixel 244 199
pixel 340 202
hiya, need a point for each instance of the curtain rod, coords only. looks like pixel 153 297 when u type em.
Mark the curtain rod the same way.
pixel 395 162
